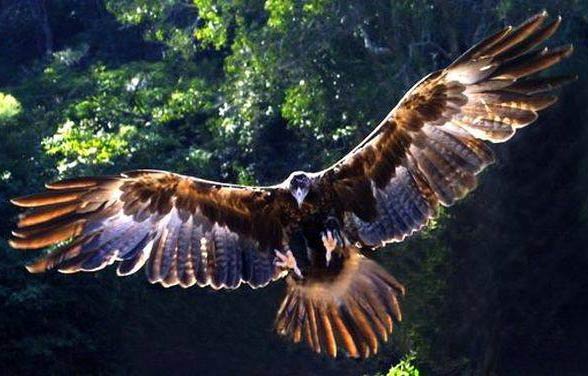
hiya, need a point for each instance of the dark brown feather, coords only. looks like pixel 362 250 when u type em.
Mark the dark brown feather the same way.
pixel 530 42
pixel 516 36
pixel 48 198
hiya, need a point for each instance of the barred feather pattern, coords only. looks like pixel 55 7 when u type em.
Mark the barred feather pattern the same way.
pixel 95 222
pixel 350 314
pixel 401 209
pixel 432 145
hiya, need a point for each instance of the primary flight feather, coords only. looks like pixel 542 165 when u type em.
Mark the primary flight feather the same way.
pixel 312 227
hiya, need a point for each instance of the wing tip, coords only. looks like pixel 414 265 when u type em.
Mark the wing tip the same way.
pixel 543 14
pixel 38 266
pixel 21 243
pixel 12 242
pixel 535 19
pixel 558 20
pixel 19 201
pixel 570 49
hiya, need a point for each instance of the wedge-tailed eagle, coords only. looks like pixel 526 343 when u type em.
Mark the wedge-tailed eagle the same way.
pixel 313 227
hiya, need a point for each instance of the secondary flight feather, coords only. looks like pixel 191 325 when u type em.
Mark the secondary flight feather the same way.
pixel 312 227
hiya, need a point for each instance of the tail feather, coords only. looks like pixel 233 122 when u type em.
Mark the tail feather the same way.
pixel 352 313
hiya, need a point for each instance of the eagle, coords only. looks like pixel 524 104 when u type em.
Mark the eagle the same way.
pixel 313 228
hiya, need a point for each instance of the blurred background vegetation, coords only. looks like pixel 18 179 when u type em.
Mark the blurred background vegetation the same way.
pixel 246 91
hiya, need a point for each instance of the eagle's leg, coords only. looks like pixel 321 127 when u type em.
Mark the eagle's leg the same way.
pixel 287 261
pixel 331 238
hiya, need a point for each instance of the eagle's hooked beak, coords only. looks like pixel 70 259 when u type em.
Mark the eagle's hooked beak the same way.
pixel 299 195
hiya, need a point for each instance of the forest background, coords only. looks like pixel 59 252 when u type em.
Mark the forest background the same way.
pixel 246 91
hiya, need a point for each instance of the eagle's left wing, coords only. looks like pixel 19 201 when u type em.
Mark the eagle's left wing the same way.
pixel 431 146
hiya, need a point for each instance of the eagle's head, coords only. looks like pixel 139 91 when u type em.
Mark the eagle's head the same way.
pixel 299 184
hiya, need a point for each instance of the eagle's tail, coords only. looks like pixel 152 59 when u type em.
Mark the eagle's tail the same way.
pixel 351 312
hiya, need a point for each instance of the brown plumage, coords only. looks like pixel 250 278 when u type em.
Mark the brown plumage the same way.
pixel 186 231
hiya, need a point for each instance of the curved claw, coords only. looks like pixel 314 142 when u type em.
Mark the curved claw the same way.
pixel 330 242
pixel 287 261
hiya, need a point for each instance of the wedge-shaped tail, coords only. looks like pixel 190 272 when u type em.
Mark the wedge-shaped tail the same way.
pixel 350 313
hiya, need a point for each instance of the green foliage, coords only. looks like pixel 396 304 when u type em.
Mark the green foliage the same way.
pixel 299 107
pixel 170 22
pixel 214 29
pixel 282 13
pixel 9 107
pixel 84 144
pixel 139 11
pixel 406 367
pixel 121 112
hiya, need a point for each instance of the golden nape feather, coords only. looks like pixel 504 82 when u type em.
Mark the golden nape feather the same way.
pixel 352 312
pixel 188 231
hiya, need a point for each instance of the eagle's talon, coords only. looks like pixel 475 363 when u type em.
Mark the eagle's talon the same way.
pixel 287 261
pixel 330 242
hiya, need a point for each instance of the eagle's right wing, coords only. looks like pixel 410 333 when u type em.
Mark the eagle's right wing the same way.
pixel 431 146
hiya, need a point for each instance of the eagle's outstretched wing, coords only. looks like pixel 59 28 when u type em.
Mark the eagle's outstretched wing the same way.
pixel 430 147
pixel 188 231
